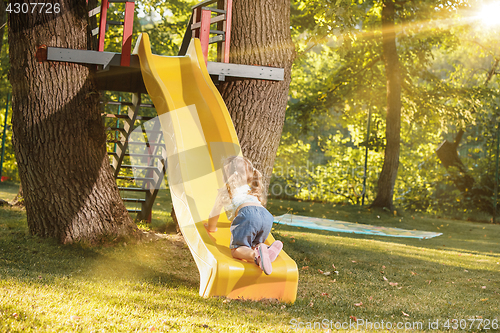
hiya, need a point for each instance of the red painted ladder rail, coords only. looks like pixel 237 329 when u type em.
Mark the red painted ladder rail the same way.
pixel 202 20
pixel 128 27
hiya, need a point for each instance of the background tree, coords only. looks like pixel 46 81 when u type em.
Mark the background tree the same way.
pixel 59 140
pixel 344 73
pixel 387 177
pixel 260 35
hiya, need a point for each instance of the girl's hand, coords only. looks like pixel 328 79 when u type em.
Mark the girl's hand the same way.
pixel 208 229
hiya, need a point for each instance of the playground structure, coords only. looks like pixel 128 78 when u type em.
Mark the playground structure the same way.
pixel 198 133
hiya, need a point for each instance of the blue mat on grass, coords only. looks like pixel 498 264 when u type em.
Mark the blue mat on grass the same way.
pixel 355 228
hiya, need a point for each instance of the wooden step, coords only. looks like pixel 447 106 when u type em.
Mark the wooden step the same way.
pixel 136 155
pixel 138 143
pixel 141 179
pixel 115 129
pixel 144 143
pixel 134 200
pixel 133 189
pixel 147 167
pixel 127 104
pixel 124 116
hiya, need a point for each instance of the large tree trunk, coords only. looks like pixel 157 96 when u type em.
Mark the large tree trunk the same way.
pixel 260 35
pixel 387 177
pixel 59 139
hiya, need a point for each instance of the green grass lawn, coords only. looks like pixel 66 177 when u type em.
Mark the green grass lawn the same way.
pixel 153 287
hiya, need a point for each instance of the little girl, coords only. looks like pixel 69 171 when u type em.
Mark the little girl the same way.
pixel 243 199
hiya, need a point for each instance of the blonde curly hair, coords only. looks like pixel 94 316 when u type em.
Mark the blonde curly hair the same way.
pixel 239 171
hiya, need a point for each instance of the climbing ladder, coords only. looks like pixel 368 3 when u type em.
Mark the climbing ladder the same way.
pixel 200 27
pixel 202 20
pixel 137 153
pixel 138 162
pixel 104 23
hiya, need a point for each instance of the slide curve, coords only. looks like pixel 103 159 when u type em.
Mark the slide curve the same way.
pixel 199 135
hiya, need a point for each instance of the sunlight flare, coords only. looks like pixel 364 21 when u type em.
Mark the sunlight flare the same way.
pixel 490 14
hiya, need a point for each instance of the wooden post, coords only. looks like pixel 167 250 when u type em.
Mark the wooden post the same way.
pixel 205 32
pixel 128 27
pixel 227 29
pixel 102 25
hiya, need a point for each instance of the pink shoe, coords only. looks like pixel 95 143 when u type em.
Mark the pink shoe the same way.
pixel 262 258
pixel 274 250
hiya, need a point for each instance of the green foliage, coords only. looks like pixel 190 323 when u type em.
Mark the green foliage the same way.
pixel 9 166
pixel 339 75
pixel 164 21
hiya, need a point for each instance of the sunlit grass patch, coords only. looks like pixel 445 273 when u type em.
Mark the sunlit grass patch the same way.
pixel 153 287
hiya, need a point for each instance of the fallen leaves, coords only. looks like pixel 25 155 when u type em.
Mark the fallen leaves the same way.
pixel 358 304
pixel 393 284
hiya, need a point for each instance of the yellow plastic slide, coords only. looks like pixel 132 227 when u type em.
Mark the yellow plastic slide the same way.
pixel 199 135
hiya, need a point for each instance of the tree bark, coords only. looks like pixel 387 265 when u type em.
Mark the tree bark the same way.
pixel 260 35
pixel 388 175
pixel 59 140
